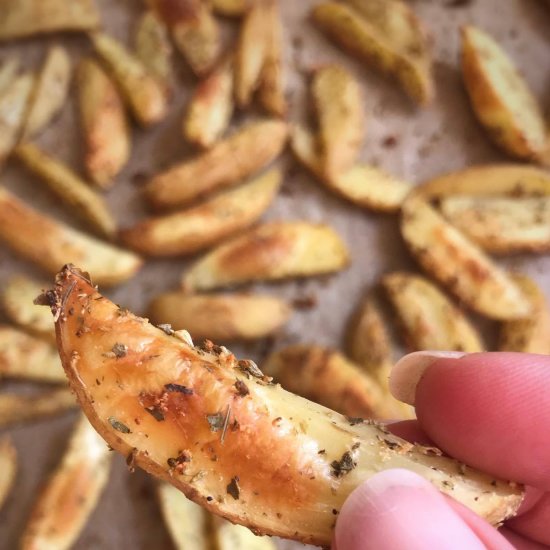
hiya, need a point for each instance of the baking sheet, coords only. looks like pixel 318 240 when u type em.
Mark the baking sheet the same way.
pixel 422 144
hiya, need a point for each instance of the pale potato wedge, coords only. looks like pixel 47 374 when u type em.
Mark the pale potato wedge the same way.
pixel 17 409
pixel 228 536
pixel 50 92
pixel 140 89
pixel 270 252
pixel 48 243
pixel 14 101
pixel 235 158
pixel 23 18
pixel 231 8
pixel 26 357
pixel 532 334
pixel 8 468
pixel 69 188
pixel 16 300
pixel 8 72
pixel 339 107
pixel 283 464
pixel 211 107
pixel 458 264
pixel 430 321
pixel 500 97
pixel 104 124
pixel 220 317
pixel 71 493
pixel 188 231
pixel 387 36
pixel 366 186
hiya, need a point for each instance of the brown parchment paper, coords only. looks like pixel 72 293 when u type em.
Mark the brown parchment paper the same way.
pixel 408 142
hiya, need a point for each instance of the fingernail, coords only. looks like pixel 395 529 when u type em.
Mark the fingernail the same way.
pixel 407 372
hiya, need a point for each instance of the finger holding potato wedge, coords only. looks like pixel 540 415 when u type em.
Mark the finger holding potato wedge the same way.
pixel 8 468
pixel 270 252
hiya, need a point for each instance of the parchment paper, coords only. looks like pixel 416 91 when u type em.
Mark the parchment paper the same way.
pixel 441 138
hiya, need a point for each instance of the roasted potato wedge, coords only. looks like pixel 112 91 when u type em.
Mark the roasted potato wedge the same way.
pixel 339 108
pixel 69 188
pixel 72 492
pixel 219 317
pixel 104 124
pixel 209 112
pixel 459 264
pixel 23 18
pixel 235 158
pixel 50 92
pixel 17 409
pixel 202 226
pixel 142 92
pixel 231 8
pixel 269 474
pixel 532 334
pixel 8 467
pixel 387 36
pixel 272 251
pixel 364 185
pixel 8 72
pixel 228 536
pixel 49 243
pixel 500 97
pixel 430 321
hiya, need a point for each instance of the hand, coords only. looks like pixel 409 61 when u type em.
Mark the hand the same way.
pixel 489 410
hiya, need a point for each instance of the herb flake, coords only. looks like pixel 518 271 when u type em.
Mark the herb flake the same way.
pixel 120 350
pixel 178 388
pixel 233 488
pixel 216 421
pixel 119 426
pixel 242 388
pixel 343 466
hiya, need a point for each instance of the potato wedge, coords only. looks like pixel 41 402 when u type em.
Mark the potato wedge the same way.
pixel 17 409
pixel 387 36
pixel 366 186
pixel 69 188
pixel 228 536
pixel 283 463
pixel 23 18
pixel 28 358
pixel 49 243
pixel 222 318
pixel 459 265
pixel 339 108
pixel 14 100
pixel 104 124
pixel 8 467
pixel 202 226
pixel 142 92
pixel 8 72
pixel 231 8
pixel 17 299
pixel 270 252
pixel 235 158
pixel 430 321
pixel 532 334
pixel 500 97
pixel 71 493
pixel 209 112
pixel 50 92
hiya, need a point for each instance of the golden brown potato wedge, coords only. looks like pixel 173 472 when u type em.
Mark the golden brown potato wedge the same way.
pixel 8 467
pixel 500 97
pixel 104 124
pixel 218 317
pixel 387 36
pixel 28 358
pixel 364 185
pixel 430 321
pixel 270 252
pixel 228 536
pixel 532 334
pixel 49 243
pixel 202 226
pixel 69 188
pixel 8 72
pixel 284 464
pixel 459 264
pixel 209 112
pixel 71 493
pixel 231 8
pixel 235 158
pixel 17 299
pixel 22 18
pixel 339 108
pixel 142 92
pixel 50 91
pixel 17 409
